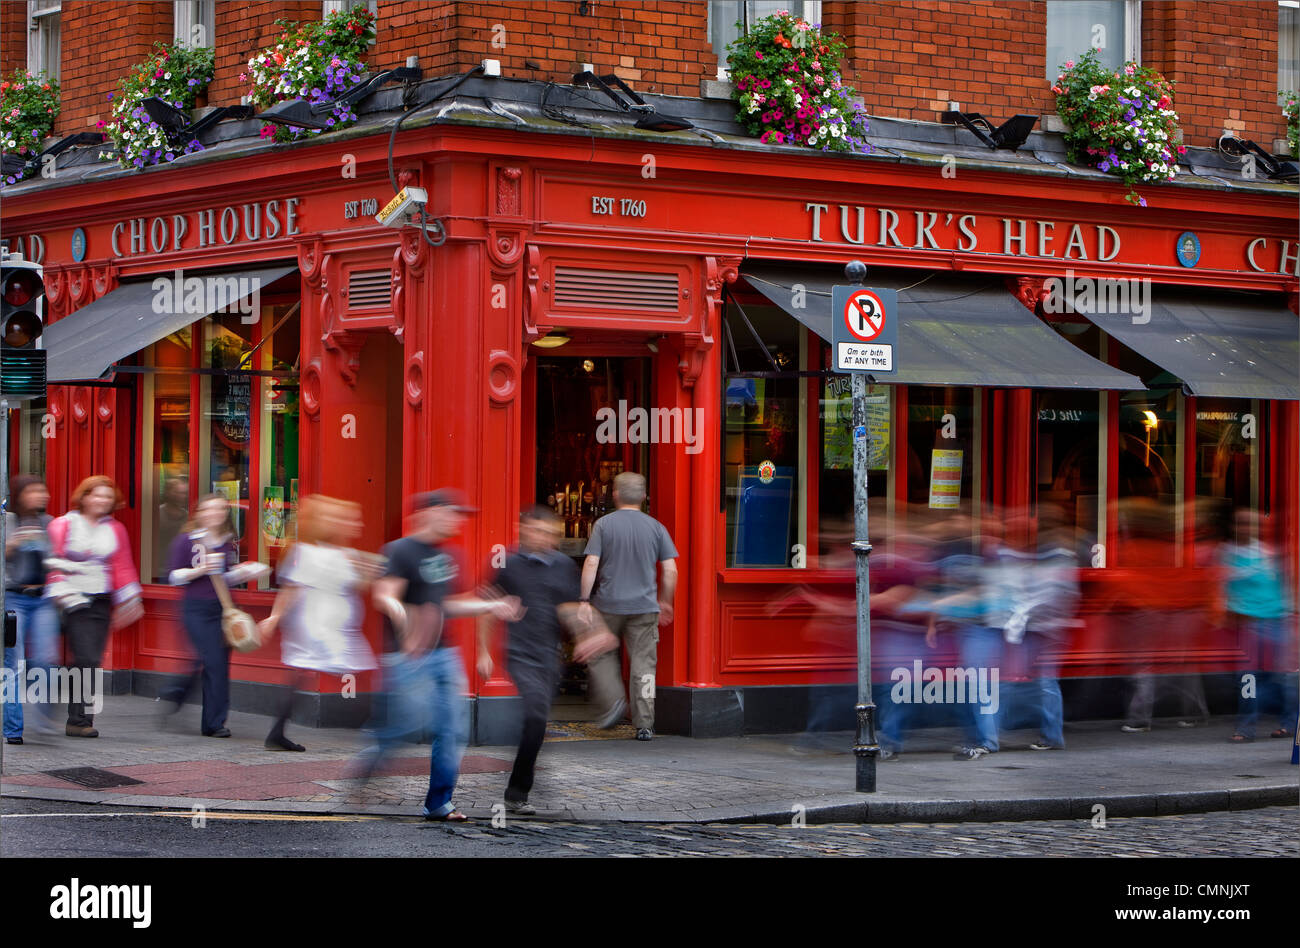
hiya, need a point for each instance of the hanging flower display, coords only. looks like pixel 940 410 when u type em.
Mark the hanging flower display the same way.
pixel 315 62
pixel 28 107
pixel 788 88
pixel 1291 109
pixel 1120 122
pixel 175 73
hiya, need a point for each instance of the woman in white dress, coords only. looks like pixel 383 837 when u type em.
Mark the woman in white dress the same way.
pixel 319 608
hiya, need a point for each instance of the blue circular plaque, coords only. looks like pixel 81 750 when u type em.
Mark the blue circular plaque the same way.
pixel 78 244
pixel 1188 248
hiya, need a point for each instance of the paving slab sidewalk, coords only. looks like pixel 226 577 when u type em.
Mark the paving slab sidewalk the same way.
pixel 774 778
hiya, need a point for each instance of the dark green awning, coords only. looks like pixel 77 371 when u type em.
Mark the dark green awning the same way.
pixel 83 345
pixel 1223 343
pixel 954 329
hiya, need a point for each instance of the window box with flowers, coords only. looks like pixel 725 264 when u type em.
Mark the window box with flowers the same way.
pixel 1121 122
pixel 315 62
pixel 175 73
pixel 28 107
pixel 1291 109
pixel 788 86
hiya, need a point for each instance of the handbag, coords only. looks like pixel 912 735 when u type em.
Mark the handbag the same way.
pixel 237 626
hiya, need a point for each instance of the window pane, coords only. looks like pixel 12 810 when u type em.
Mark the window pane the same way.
pixel 1076 26
pixel 279 488
pixel 1068 429
pixel 762 476
pixel 1288 47
pixel 226 431
pixel 835 490
pixel 1225 466
pixel 940 459
pixel 1148 465
pixel 169 415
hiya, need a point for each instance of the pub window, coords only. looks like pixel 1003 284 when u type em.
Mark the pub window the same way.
pixel 194 23
pixel 1288 45
pixel 763 444
pixel 1067 438
pixel 32 425
pixel 1150 475
pixel 731 19
pixel 835 524
pixel 43 44
pixel 230 428
pixel 1229 433
pixel 941 461
pixel 1113 27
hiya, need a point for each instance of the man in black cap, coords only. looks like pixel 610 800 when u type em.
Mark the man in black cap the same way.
pixel 423 585
pixel 546 583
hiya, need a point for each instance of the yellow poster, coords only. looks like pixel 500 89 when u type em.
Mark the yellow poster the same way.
pixel 945 479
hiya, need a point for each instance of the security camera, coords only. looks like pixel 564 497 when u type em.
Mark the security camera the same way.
pixel 402 209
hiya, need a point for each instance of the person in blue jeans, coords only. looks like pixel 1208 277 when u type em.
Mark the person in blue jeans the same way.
pixel 1256 594
pixel 27 543
pixel 423 584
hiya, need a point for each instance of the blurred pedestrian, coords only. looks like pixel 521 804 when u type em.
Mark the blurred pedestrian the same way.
pixel 27 544
pixel 94 582
pixel 546 583
pixel 622 552
pixel 1256 594
pixel 204 554
pixel 319 609
pixel 423 585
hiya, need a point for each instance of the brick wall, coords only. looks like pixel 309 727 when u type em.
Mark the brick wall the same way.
pixel 910 60
pixel 1223 58
pixel 907 59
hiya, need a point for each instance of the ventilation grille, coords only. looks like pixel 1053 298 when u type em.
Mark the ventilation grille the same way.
pixel 369 288
pixel 612 289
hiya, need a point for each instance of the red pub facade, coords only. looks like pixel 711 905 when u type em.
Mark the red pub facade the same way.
pixel 375 365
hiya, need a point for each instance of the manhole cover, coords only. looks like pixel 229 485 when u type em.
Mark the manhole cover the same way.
pixel 93 778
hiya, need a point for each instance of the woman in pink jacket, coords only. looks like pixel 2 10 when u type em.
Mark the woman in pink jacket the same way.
pixel 94 582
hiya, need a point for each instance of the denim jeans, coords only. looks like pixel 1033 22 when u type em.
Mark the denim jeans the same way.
pixel 1051 708
pixel 1265 641
pixel 38 629
pixel 981 647
pixel 425 692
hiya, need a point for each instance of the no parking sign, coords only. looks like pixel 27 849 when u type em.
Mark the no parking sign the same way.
pixel 864 334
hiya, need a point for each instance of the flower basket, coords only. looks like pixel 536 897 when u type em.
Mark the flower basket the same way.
pixel 788 87
pixel 315 62
pixel 175 73
pixel 1121 122
pixel 28 107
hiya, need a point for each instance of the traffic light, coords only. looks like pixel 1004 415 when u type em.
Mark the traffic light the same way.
pixel 22 364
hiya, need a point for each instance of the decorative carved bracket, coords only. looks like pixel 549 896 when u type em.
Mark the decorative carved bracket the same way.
pixel 1030 290
pixel 532 294
pixel 346 347
pixel 718 271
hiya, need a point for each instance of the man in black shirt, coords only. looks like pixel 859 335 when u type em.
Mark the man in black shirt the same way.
pixel 546 583
pixel 424 671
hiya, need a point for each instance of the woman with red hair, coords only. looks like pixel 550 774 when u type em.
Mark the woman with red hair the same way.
pixel 93 581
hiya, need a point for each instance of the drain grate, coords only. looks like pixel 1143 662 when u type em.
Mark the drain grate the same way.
pixel 92 778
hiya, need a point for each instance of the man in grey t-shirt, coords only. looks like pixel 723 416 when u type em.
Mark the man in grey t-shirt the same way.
pixel 622 553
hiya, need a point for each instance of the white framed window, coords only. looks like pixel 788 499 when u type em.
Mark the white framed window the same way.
pixel 1288 44
pixel 194 22
pixel 1113 27
pixel 731 19
pixel 43 45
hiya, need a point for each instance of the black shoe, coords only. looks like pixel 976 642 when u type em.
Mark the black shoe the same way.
pixel 219 732
pixel 644 734
pixel 280 743
pixel 13 740
pixel 80 730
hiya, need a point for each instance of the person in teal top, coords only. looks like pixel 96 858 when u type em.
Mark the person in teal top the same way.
pixel 1256 594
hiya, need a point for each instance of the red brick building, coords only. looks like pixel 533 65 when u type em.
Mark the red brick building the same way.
pixel 379 364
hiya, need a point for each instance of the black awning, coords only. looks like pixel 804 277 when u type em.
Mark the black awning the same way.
pixel 85 344
pixel 1221 343
pixel 954 329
